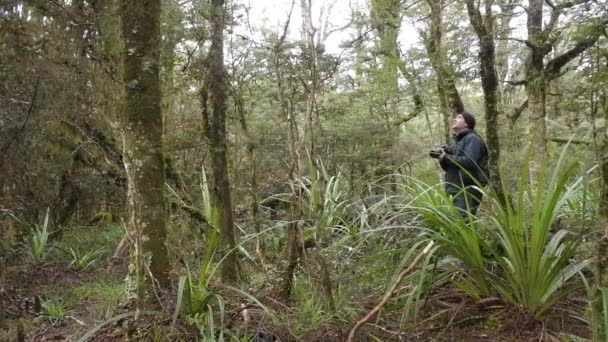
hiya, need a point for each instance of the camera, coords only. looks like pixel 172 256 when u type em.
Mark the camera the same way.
pixel 435 152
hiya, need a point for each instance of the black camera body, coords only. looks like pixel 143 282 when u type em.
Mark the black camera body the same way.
pixel 436 151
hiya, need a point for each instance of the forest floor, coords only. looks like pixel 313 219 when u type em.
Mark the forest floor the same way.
pixel 49 301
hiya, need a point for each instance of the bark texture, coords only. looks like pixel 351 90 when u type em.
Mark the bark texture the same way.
pixel 217 138
pixel 449 97
pixel 142 133
pixel 484 28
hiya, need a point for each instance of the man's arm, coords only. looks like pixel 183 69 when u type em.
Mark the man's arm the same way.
pixel 473 151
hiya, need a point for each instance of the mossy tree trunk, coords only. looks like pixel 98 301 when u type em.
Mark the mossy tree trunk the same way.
pixel 386 20
pixel 603 205
pixel 536 86
pixel 217 138
pixel 142 135
pixel 602 242
pixel 449 96
pixel 484 27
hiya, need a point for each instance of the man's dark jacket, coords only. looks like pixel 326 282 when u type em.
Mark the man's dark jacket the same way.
pixel 471 154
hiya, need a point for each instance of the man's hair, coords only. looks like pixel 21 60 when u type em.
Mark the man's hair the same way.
pixel 469 119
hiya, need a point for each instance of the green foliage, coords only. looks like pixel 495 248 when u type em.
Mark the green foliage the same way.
pixel 37 248
pixel 53 310
pixel 206 324
pixel 520 255
pixel 311 309
pixel 208 209
pixel 195 298
pixel 324 198
pixel 82 261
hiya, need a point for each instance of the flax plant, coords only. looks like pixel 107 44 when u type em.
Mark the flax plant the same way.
pixel 536 258
pixel 455 235
pixel 324 200
pixel 37 244
pixel 517 252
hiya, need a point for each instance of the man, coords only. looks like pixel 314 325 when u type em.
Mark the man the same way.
pixel 465 165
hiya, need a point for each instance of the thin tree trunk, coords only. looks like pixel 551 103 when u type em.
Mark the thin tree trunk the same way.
pixel 536 87
pixel 602 242
pixel 603 205
pixel 449 96
pixel 502 48
pixel 253 177
pixel 295 246
pixel 484 27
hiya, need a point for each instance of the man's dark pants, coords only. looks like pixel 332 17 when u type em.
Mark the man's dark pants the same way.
pixel 471 195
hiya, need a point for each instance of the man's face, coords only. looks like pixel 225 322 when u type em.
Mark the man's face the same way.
pixel 458 123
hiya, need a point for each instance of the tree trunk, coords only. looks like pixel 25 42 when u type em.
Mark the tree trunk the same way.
pixel 217 138
pixel 386 19
pixel 449 96
pixel 536 87
pixel 253 177
pixel 484 27
pixel 295 246
pixel 603 205
pixel 142 133
pixel 602 242
pixel 507 8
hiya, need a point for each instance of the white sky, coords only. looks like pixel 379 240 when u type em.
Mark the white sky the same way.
pixel 272 14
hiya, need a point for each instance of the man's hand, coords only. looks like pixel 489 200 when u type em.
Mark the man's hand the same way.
pixel 443 154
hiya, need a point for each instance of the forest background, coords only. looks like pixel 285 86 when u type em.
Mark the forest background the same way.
pixel 183 170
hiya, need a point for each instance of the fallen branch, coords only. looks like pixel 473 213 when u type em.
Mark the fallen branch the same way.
pixel 118 252
pixel 388 294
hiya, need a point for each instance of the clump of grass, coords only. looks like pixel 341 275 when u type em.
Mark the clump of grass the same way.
pixel 82 261
pixel 53 310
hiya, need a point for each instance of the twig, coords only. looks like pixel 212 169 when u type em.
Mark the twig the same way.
pixel 388 294
pixel 76 320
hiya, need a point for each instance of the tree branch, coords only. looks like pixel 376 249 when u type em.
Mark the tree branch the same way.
pixel 517 113
pixel 475 18
pixel 524 41
pixel 569 141
pixel 517 83
pixel 554 66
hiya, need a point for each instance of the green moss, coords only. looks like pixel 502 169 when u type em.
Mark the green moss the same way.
pixel 491 324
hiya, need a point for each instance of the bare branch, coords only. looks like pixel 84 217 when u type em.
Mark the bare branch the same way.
pixel 554 66
pixel 286 27
pixel 523 41
pixel 517 113
pixel 390 292
pixel 516 83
